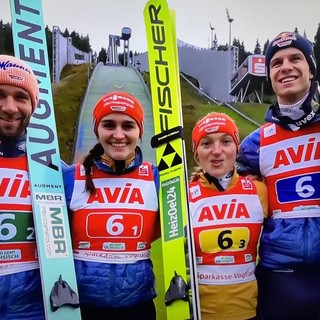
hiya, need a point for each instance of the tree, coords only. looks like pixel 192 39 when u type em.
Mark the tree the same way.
pixel 80 42
pixel 49 45
pixel 243 54
pixel 102 56
pixel 66 33
pixel 6 40
pixel 265 46
pixel 1 37
pixel 257 49
pixel 317 50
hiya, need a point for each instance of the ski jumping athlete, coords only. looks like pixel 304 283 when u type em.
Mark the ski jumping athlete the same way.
pixel 113 200
pixel 285 151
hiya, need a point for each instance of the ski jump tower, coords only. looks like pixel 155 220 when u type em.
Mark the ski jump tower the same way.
pixel 125 36
pixel 114 43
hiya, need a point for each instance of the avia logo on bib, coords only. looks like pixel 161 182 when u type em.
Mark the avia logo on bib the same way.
pixel 117 195
pixel 297 154
pixel 16 186
pixel 225 211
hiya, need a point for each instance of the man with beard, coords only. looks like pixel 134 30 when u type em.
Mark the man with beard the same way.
pixel 20 285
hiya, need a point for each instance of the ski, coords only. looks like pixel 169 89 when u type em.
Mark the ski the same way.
pixel 50 213
pixel 180 279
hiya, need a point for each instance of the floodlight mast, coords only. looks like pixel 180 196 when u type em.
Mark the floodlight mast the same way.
pixel 230 20
pixel 212 28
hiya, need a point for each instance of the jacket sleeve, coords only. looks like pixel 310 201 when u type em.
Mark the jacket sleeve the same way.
pixel 263 196
pixel 248 157
pixel 157 231
pixel 68 180
pixel 156 176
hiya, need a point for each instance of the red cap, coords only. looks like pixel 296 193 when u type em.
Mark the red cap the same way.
pixel 119 102
pixel 212 123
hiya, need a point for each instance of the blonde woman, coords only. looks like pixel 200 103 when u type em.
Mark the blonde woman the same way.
pixel 227 213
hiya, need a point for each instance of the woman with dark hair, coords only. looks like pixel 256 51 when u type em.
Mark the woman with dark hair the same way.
pixel 113 199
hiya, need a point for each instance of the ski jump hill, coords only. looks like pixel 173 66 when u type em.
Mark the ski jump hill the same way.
pixel 115 77
pixel 217 72
pixel 212 68
pixel 106 78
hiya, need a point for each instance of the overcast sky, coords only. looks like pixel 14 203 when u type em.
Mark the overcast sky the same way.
pixel 253 19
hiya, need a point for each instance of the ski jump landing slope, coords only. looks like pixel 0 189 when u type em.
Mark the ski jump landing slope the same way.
pixel 106 78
